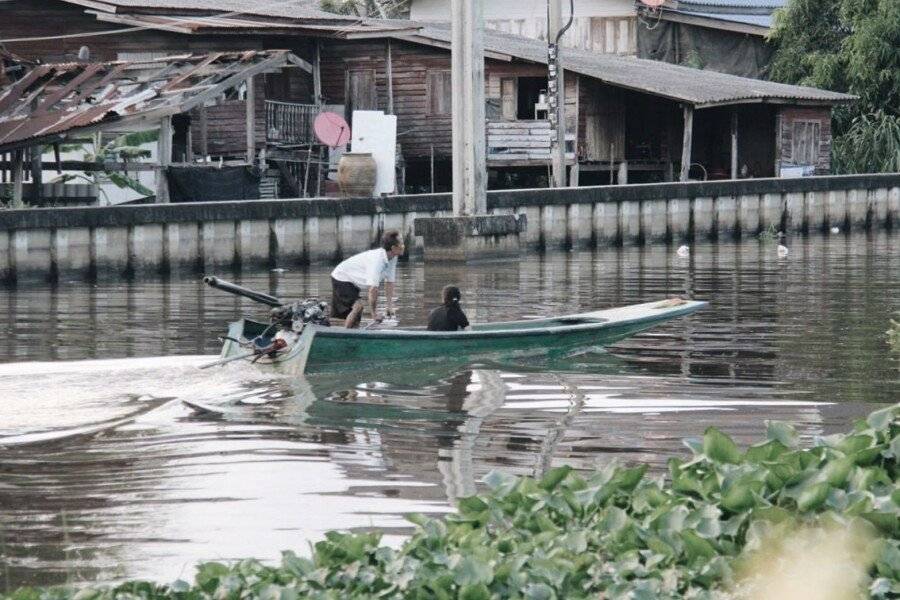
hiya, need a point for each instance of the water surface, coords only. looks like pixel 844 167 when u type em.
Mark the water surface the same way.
pixel 106 474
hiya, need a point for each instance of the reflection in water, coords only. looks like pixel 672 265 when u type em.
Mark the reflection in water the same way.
pixel 105 473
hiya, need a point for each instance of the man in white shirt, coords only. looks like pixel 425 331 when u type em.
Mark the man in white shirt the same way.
pixel 366 270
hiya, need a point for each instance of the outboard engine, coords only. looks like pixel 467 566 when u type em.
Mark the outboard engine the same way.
pixel 294 316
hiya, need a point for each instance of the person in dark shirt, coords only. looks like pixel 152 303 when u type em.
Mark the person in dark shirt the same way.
pixel 450 316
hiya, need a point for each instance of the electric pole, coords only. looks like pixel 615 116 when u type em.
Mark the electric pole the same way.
pixel 556 93
pixel 467 79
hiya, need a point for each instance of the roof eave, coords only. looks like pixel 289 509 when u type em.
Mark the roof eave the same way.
pixel 725 25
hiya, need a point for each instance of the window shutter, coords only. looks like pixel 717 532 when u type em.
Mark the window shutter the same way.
pixel 440 97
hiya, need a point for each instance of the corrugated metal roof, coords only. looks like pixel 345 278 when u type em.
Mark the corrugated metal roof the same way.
pixel 684 84
pixel 298 9
pixel 267 25
pixel 58 98
pixel 741 4
pixel 757 20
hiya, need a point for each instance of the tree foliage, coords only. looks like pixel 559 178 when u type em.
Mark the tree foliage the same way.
pixel 848 46
pixel 379 9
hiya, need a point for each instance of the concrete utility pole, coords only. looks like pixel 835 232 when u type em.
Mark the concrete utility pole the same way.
pixel 469 166
pixel 556 91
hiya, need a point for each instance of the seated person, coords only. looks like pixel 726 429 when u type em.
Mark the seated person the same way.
pixel 450 316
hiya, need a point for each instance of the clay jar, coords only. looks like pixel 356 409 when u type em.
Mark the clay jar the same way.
pixel 356 174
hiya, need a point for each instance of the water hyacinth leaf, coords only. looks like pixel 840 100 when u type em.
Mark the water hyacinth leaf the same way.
pixel 769 451
pixel 813 496
pixel 718 447
pixel 837 471
pixel 209 574
pixel 696 547
pixel 613 520
pixel 886 522
pixel 784 433
pixel 882 419
pixel 695 445
pixel 625 480
pixel 576 541
pixel 672 521
pixel 501 483
pixel 740 496
pixel 472 571
pixel 539 591
pixel 471 506
pixel 474 592
pixel 554 477
pixel 852 444
pixel 867 456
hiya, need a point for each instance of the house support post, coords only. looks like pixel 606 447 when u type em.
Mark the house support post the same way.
pixel 251 120
pixel 18 174
pixel 389 77
pixel 470 234
pixel 37 174
pixel 556 91
pixel 164 149
pixel 734 143
pixel 686 142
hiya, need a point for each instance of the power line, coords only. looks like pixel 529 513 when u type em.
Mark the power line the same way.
pixel 146 27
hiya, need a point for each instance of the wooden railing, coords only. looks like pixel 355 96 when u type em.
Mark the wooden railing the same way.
pixel 523 142
pixel 288 123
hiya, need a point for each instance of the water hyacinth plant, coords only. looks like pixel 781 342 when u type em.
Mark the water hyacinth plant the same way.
pixel 724 523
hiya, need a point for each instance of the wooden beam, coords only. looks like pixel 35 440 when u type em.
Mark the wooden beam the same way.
pixel 734 143
pixel 389 75
pixel 686 141
pixel 89 166
pixel 317 75
pixel 298 62
pixel 251 119
pixel 18 174
pixel 204 133
pixel 164 146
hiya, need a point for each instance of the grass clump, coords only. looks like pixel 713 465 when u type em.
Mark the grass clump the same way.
pixel 724 523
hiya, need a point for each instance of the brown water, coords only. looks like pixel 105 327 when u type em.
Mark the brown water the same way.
pixel 105 474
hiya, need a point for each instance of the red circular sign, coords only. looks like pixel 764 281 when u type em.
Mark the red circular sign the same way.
pixel 331 129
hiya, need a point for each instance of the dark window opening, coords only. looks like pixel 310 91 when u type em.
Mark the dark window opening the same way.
pixel 530 90
pixel 419 177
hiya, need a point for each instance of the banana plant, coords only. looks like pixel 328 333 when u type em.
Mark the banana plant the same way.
pixel 124 148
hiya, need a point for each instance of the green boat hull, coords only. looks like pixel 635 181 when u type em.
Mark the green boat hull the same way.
pixel 336 348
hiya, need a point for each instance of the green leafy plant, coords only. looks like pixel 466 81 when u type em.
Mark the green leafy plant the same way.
pixel 701 532
pixel 125 148
pixel 382 9
pixel 893 335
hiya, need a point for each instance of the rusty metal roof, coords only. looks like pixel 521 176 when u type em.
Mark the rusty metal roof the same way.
pixel 683 84
pixel 52 100
pixel 293 9
pixel 261 25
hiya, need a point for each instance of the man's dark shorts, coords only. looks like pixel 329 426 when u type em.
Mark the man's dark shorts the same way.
pixel 343 296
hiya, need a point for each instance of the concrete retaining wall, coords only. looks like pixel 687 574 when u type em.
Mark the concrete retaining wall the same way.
pixel 165 238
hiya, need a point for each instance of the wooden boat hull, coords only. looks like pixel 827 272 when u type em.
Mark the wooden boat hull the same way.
pixel 336 348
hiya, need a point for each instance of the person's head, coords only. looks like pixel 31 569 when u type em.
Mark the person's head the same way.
pixel 450 296
pixel 393 243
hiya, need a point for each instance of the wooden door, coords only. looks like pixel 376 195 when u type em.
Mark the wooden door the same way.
pixel 509 99
pixel 361 93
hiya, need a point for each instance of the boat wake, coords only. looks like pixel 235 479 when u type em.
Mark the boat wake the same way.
pixel 45 402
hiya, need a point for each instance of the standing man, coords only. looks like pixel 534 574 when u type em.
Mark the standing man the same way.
pixel 366 270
